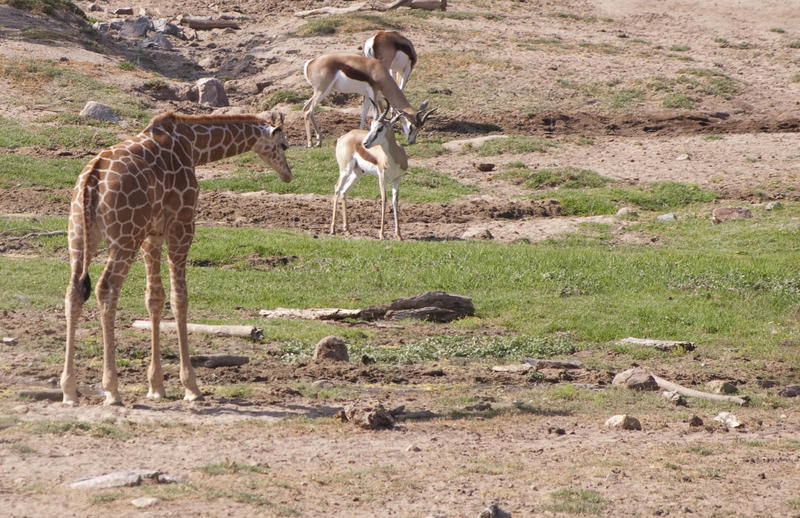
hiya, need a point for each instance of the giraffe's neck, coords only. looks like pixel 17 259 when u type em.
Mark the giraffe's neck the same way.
pixel 215 140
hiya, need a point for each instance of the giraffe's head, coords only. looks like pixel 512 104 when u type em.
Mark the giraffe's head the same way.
pixel 272 145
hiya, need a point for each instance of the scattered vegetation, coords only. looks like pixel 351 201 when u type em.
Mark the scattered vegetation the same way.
pixel 48 7
pixel 566 177
pixel 283 96
pixel 577 501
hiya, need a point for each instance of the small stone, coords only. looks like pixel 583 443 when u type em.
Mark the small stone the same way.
pixel 627 213
pixel 682 157
pixel 7 340
pixel 145 501
pixel 721 214
pixel 790 391
pixel 99 111
pixel 667 217
pixel 623 422
pixel 331 348
pixel 637 378
pixel 122 11
pixel 369 416
pixel 722 387
pixel 477 233
pixel 494 511
pixel 773 205
pixel 728 419
pixel 674 397
pixel 211 92
pixel 484 166
pixel 95 7
pixel 695 422
pixel 413 448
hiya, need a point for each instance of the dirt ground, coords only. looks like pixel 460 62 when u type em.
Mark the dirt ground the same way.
pixel 278 449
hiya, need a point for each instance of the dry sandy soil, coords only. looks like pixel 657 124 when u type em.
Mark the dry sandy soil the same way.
pixel 277 452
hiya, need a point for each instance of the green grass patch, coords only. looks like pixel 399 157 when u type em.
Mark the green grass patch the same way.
pixel 566 177
pixel 448 347
pixel 794 45
pixel 515 144
pixel 229 467
pixel 625 98
pixel 13 135
pixel 658 196
pixel 283 96
pixel 315 171
pixel 680 101
pixel 577 501
pixel 27 171
pixel 344 23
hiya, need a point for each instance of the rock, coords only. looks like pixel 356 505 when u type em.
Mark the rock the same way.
pixel 101 112
pixel 7 340
pixel 721 214
pixel 494 511
pixel 95 7
pixel 413 448
pixel 627 213
pixel 695 422
pixel 211 92
pixel 722 387
pixel 513 368
pixel 773 205
pixel 623 422
pixel 428 313
pixel 331 348
pixel 134 28
pixel 123 11
pixel 484 166
pixel 667 217
pixel 637 378
pixel 164 26
pixel 157 41
pixel 682 157
pixel 477 233
pixel 370 416
pixel 728 419
pixel 145 501
pixel 674 397
pixel 790 391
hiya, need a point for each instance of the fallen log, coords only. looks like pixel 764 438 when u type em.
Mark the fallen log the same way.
pixel 688 392
pixel 428 5
pixel 459 304
pixel 311 313
pixel 335 10
pixel 251 332
pixel 205 24
pixel 659 344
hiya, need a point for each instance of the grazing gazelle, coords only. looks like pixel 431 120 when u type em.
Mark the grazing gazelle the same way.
pixel 396 53
pixel 349 73
pixel 375 152
pixel 142 194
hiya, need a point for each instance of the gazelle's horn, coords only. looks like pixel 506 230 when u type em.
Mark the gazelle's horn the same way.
pixel 425 116
pixel 386 112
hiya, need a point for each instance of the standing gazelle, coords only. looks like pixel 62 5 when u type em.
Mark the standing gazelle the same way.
pixel 396 53
pixel 349 73
pixel 375 152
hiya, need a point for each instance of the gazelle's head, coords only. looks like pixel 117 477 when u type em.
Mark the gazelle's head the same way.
pixel 411 126
pixel 380 128
pixel 272 146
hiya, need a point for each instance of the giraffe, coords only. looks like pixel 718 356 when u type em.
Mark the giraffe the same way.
pixel 141 194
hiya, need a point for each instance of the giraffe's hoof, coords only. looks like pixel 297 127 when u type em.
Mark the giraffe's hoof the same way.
pixel 193 396
pixel 156 396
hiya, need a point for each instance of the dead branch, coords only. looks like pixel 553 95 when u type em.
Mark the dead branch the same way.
pixel 311 313
pixel 552 364
pixel 684 391
pixel 203 24
pixel 428 5
pixel 335 10
pixel 251 332
pixel 36 235
pixel 659 344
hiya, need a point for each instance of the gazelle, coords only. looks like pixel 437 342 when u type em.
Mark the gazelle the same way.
pixel 349 73
pixel 396 53
pixel 374 151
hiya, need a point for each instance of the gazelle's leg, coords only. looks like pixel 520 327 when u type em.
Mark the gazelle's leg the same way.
pixel 308 117
pixel 395 189
pixel 336 194
pixel 154 299
pixel 179 239
pixel 108 288
pixel 382 187
pixel 351 178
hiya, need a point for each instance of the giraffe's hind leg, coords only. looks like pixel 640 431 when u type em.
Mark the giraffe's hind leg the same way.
pixel 154 299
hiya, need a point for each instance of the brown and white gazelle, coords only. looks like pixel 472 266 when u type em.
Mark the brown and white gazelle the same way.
pixel 374 151
pixel 396 53
pixel 349 73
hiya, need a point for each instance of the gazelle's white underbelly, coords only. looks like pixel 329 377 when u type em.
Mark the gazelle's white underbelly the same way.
pixel 344 84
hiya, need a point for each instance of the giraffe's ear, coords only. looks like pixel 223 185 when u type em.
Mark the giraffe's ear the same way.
pixel 277 119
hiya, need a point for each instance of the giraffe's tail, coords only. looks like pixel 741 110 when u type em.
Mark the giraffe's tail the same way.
pixel 86 197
